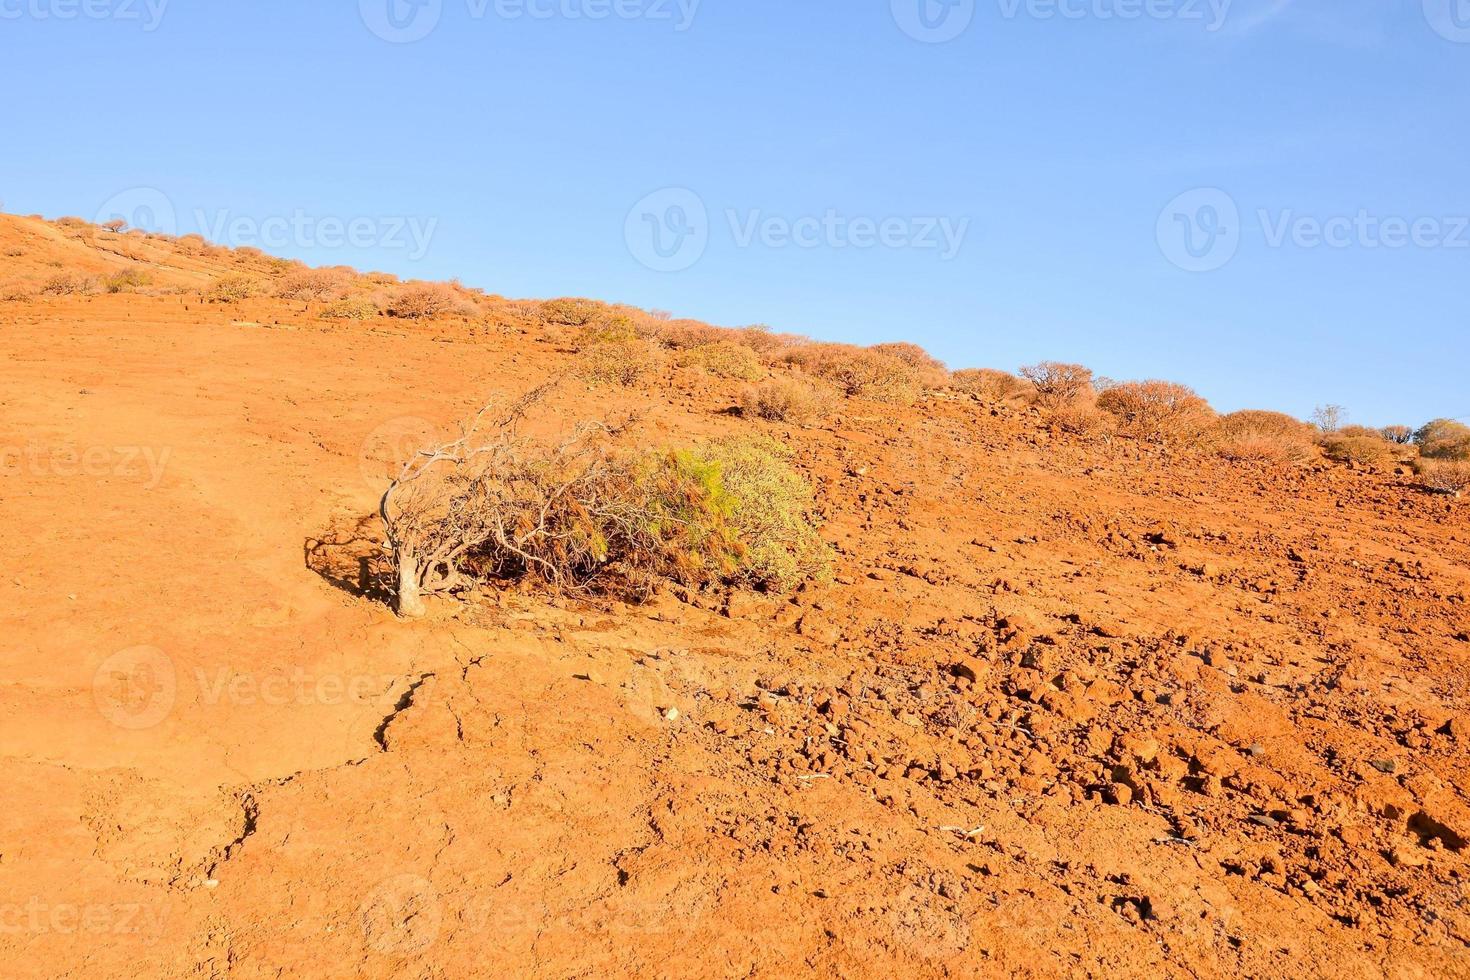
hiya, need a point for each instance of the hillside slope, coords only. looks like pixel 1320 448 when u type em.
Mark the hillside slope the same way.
pixel 1068 707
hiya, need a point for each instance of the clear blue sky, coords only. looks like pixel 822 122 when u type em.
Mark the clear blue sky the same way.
pixel 524 142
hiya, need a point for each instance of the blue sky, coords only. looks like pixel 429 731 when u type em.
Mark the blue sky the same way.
pixel 1003 181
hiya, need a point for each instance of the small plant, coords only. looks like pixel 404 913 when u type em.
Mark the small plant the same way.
pixel 234 289
pixel 126 281
pixel 1447 477
pixel 313 285
pixel 1329 418
pixel 1444 439
pixel 1157 411
pixel 570 312
pixel 1363 452
pixel 725 359
pixel 991 386
pixel 420 302
pixel 115 226
pixel 858 372
pixel 623 362
pixel 351 308
pixel 1059 385
pixel 798 400
pixel 71 284
pixel 1399 435
pixel 1270 437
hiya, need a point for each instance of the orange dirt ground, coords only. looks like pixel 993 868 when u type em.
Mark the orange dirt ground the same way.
pixel 1067 709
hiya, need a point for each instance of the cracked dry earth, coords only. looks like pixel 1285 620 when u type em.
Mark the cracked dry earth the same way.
pixel 1067 710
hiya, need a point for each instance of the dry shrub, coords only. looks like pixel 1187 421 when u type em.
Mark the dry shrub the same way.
pixel 1271 437
pixel 234 289
pixel 859 372
pixel 797 400
pixel 1080 418
pixel 71 284
pixel 314 285
pixel 1444 476
pixel 588 511
pixel 570 312
pixel 725 359
pixel 911 354
pixel 15 292
pixel 421 301
pixel 1058 385
pixel 127 281
pixel 1359 432
pixel 1365 452
pixel 623 362
pixel 1399 435
pixel 991 386
pixel 351 308
pixel 1157 411
pixel 1444 439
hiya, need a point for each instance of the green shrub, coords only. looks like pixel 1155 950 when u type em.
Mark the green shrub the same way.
pixel 770 509
pixel 126 281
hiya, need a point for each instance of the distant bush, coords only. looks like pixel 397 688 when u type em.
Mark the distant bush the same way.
pixel 570 312
pixel 797 400
pixel 622 362
pixel 725 359
pixel 1368 452
pixel 1271 437
pixel 1444 439
pixel 421 302
pixel 1360 432
pixel 1059 384
pixel 1444 476
pixel 126 281
pixel 991 386
pixel 1157 411
pixel 234 289
pixel 15 292
pixel 859 372
pixel 71 284
pixel 1400 435
pixel 1080 418
pixel 911 354
pixel 351 308
pixel 313 285
pixel 1329 418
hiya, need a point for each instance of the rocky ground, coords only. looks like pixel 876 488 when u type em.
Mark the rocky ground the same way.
pixel 1067 709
